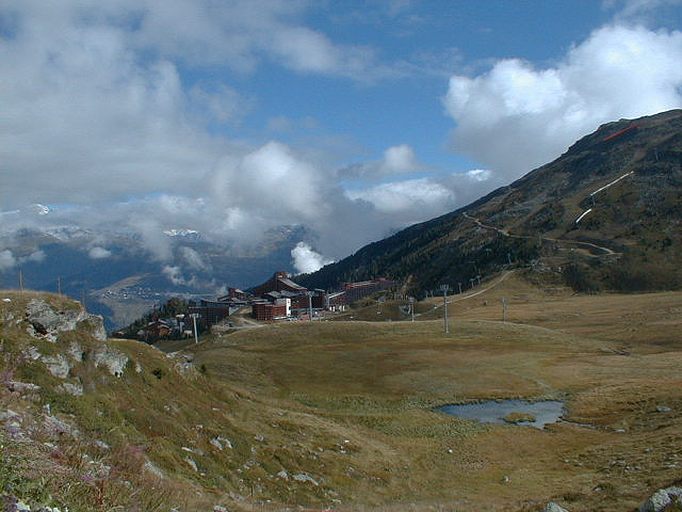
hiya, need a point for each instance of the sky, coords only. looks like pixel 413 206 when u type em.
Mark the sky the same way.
pixel 353 119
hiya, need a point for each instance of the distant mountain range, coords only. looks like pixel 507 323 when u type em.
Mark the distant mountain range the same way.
pixel 604 215
pixel 122 281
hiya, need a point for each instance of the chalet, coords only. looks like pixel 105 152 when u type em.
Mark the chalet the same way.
pixel 234 294
pixel 155 330
pixel 356 291
pixel 268 311
pixel 279 282
pixel 210 312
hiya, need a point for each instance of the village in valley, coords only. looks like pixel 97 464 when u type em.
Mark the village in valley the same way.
pixel 277 299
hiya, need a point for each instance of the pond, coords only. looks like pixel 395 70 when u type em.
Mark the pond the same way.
pixel 518 412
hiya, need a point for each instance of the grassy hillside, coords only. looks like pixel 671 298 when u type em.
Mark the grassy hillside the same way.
pixel 340 414
pixel 629 241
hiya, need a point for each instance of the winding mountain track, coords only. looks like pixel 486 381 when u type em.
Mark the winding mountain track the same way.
pixel 466 296
pixel 605 250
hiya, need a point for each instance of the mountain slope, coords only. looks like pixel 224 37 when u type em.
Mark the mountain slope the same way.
pixel 625 180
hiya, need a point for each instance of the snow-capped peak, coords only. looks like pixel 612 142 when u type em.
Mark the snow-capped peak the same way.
pixel 181 232
pixel 40 209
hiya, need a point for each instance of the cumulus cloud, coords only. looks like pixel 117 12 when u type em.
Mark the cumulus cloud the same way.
pixel 306 260
pixel 415 195
pixel 396 160
pixel 193 259
pixel 174 275
pixel 517 116
pixel 99 253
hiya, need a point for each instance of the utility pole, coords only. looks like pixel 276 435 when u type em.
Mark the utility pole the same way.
pixel 310 304
pixel 504 309
pixel 194 321
pixel 444 288
pixel 411 299
pixel 459 285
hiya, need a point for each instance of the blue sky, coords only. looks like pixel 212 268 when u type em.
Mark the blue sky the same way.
pixel 353 119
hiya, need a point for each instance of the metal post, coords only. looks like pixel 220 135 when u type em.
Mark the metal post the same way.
pixel 444 288
pixel 194 321
pixel 310 304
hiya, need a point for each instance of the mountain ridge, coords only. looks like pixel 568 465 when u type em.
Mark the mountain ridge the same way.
pixel 545 203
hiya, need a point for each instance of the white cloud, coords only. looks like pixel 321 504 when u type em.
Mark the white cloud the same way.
pixel 99 253
pixel 400 159
pixel 7 260
pixel 174 275
pixel 417 195
pixel 36 256
pixel 516 117
pixel 193 259
pixel 306 260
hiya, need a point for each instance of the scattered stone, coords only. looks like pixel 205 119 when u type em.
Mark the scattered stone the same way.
pixel 260 438
pixel 219 508
pixel 72 389
pixel 283 475
pixel 220 443
pixel 662 499
pixel 152 469
pixel 302 477
pixel 138 367
pixel 6 299
pixel 76 352
pixel 553 507
pixel 663 409
pixel 9 414
pixel 101 444
pixel 57 365
pixel 184 448
pixel 192 464
pixel 31 353
pixel 22 387
pixel 112 359
pixel 450 451
pixel 56 426
pixel 506 479
pixel 20 506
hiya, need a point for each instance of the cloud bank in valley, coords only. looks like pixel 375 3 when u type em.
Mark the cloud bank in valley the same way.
pixel 306 260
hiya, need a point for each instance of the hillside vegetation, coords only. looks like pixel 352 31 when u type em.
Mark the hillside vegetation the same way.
pixel 629 173
pixel 340 414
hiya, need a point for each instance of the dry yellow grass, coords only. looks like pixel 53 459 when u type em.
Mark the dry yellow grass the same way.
pixel 350 404
pixel 374 383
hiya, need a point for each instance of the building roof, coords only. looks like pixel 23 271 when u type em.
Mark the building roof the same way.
pixel 288 282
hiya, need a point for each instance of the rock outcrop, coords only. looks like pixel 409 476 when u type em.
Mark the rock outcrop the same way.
pixel 663 500
pixel 47 323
